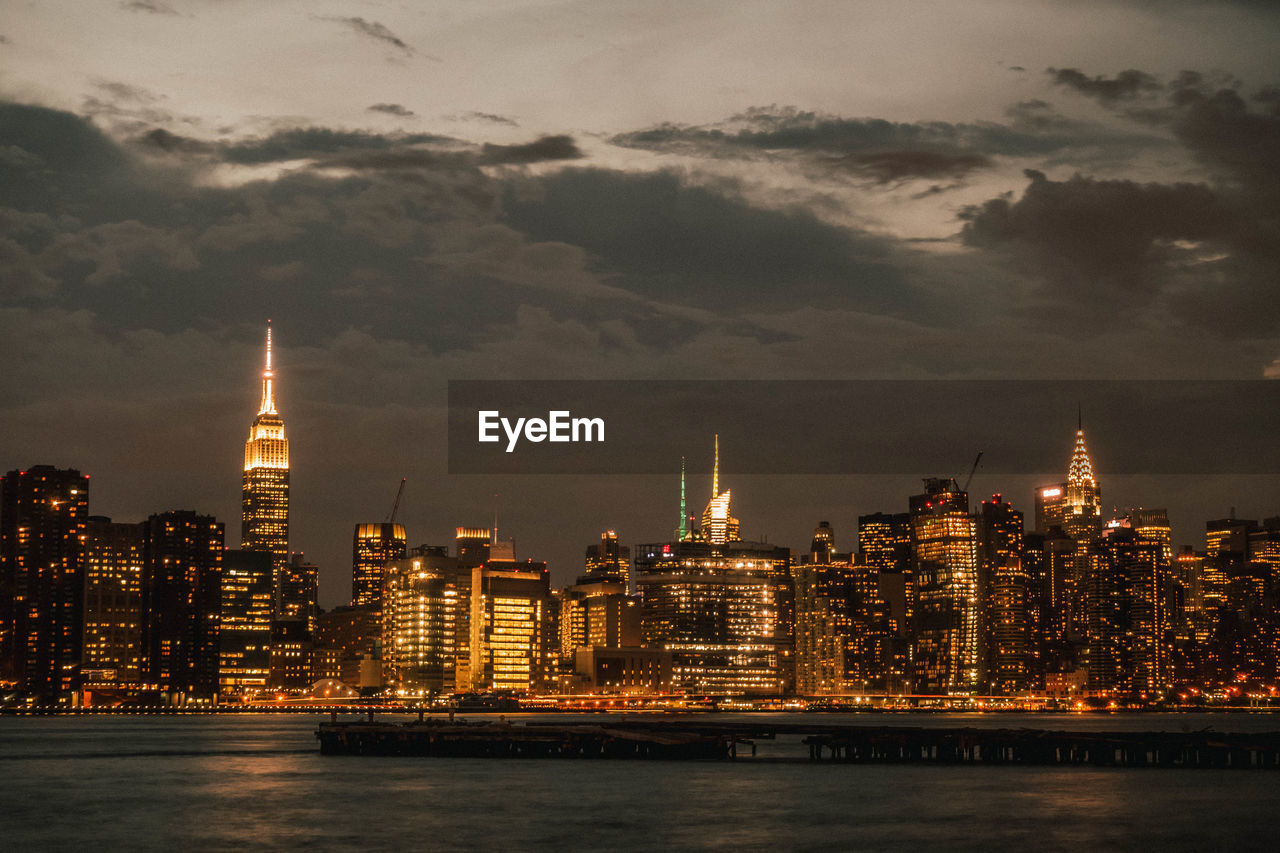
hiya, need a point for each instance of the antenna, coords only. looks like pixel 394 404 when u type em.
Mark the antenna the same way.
pixel 715 471
pixel 493 537
pixel 395 507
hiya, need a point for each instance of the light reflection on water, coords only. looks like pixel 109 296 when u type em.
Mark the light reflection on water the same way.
pixel 259 782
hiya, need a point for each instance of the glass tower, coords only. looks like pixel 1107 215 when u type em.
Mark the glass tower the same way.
pixel 265 524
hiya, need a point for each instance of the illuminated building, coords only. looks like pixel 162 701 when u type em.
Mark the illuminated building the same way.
pixel 1140 572
pixel 844 630
pixel 297 590
pixel 944 554
pixel 608 559
pixel 714 607
pixel 473 545
pixel 718 524
pixel 373 546
pixel 244 638
pixel 512 643
pixel 1082 517
pixel 42 522
pixel 1153 525
pixel 1051 503
pixel 1003 594
pixel 265 491
pixel 884 544
pixel 418 604
pixel 113 564
pixel 597 611
pixel 182 599
pixel 1228 535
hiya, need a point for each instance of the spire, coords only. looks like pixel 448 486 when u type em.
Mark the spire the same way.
pixel 715 471
pixel 682 532
pixel 1080 472
pixel 268 406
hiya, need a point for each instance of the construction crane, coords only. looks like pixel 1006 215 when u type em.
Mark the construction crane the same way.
pixel 972 471
pixel 395 507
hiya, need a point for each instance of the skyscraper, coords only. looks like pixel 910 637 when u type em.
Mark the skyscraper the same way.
pixel 944 553
pixel 372 547
pixel 42 520
pixel 608 560
pixel 113 568
pixel 244 635
pixel 182 599
pixel 265 493
pixel 718 524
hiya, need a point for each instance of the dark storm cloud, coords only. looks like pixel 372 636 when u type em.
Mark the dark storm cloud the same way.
pixel 1125 85
pixel 392 110
pixel 883 151
pixel 542 149
pixel 303 142
pixel 663 237
pixel 1108 249
pixel 373 30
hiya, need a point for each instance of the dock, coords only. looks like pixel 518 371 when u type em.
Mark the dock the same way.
pixel 725 740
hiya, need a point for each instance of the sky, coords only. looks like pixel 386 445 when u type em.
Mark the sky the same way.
pixel 419 192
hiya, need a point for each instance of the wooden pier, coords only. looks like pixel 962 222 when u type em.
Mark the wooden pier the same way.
pixel 702 739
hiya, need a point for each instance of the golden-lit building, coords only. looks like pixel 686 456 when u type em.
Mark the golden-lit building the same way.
pixel 511 626
pixel 113 564
pixel 608 559
pixel 373 547
pixel 944 557
pixel 265 490
pixel 718 524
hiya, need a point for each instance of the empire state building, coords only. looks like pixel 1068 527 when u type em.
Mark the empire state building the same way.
pixel 265 524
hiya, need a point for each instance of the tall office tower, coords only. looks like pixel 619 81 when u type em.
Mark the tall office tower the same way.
pixel 1083 507
pixel 372 547
pixel 718 524
pixel 42 520
pixel 473 545
pixel 1228 535
pixel 182 599
pixel 944 554
pixel 608 560
pixel 418 618
pixel 1051 504
pixel 884 544
pixel 244 631
pixel 512 628
pixel 265 492
pixel 298 591
pixel 1145 648
pixel 1153 524
pixel 113 565
pixel 1002 598
pixel 715 608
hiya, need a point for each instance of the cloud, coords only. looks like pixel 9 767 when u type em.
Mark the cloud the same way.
pixel 880 150
pixel 1125 85
pixel 1272 370
pixel 392 110
pixel 154 7
pixel 491 118
pixel 542 149
pixel 373 30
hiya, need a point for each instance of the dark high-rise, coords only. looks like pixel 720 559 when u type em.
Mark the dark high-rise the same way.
pixel 182 598
pixel 42 518
pixel 1003 593
pixel 265 488
pixel 244 639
